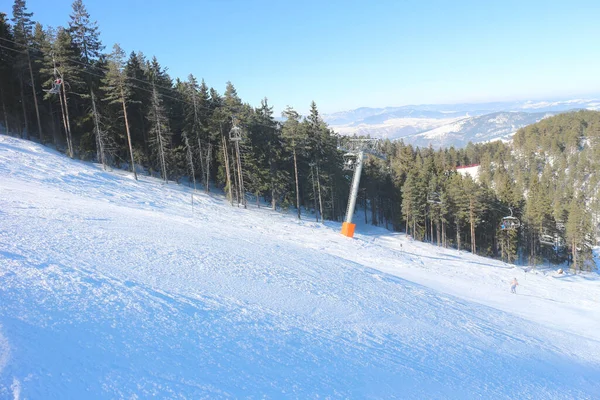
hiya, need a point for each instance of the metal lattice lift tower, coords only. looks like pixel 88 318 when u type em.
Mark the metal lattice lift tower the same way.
pixel 353 160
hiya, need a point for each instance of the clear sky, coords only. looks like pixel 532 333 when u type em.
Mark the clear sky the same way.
pixel 346 54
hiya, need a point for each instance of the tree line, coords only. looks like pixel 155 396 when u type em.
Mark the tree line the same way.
pixel 59 86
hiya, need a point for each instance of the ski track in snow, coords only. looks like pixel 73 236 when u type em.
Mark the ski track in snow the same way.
pixel 112 288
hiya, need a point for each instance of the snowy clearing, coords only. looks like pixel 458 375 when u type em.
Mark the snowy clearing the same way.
pixel 112 288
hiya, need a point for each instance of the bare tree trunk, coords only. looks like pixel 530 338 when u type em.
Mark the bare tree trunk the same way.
pixel 159 134
pixel 333 207
pixel 37 110
pixel 314 192
pixel 161 149
pixel 241 178
pixel 320 199
pixel 502 246
pixel 444 238
pixel 100 154
pixel 472 222
pixel 145 136
pixel 273 191
pixel 202 168
pixel 414 227
pixel 297 184
pixel 70 136
pixel 381 212
pixel 4 111
pixel 26 136
pixel 53 121
pixel 431 224
pixel 190 159
pixel 226 159
pixel 458 235
pixel 16 119
pixel 373 211
pixel 99 150
pixel 128 135
pixel 208 158
pixel 437 233
pixel 19 125
pixel 64 119
pixel 235 177
pixel 574 251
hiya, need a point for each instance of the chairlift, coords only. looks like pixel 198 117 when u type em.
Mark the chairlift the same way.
pixel 434 198
pixel 235 134
pixel 547 240
pixel 55 89
pixel 349 161
pixel 510 223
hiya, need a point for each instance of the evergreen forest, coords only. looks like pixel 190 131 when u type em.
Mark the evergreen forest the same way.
pixel 61 86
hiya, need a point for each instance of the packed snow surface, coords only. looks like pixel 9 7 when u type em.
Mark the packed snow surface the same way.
pixel 116 288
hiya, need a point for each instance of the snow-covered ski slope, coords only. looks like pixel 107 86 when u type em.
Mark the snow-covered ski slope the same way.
pixel 112 288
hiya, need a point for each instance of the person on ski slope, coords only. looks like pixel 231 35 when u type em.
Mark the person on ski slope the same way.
pixel 513 286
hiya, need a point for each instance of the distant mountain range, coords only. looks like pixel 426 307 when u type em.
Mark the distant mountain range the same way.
pixel 444 125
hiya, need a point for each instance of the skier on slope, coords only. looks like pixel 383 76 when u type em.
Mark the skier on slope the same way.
pixel 513 286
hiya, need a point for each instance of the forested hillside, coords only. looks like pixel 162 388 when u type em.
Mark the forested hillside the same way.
pixel 63 87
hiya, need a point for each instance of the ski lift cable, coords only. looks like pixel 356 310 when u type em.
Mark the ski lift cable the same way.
pixel 100 68
pixel 10 48
pixel 141 88
pixel 86 64
pixel 171 89
pixel 56 82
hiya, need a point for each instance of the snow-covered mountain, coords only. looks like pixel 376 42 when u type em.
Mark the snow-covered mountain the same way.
pixel 484 128
pixel 450 124
pixel 117 288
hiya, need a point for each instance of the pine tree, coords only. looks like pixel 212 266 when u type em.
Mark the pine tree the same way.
pixel 7 60
pixel 408 201
pixel 23 33
pixel 204 134
pixel 195 122
pixel 475 207
pixel 238 115
pixel 43 64
pixel 138 105
pixel 117 92
pixel 160 133
pixel 578 231
pixel 318 136
pixel 85 34
pixel 273 144
pixel 86 40
pixel 458 204
pixel 58 62
pixel 294 141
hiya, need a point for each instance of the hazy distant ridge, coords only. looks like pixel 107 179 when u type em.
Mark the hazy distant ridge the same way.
pixel 450 124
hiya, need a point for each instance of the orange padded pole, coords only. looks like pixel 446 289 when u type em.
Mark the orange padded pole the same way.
pixel 348 229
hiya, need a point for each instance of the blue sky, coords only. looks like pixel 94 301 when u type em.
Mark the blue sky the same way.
pixel 348 54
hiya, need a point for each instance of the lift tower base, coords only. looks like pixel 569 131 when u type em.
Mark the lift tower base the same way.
pixel 348 229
